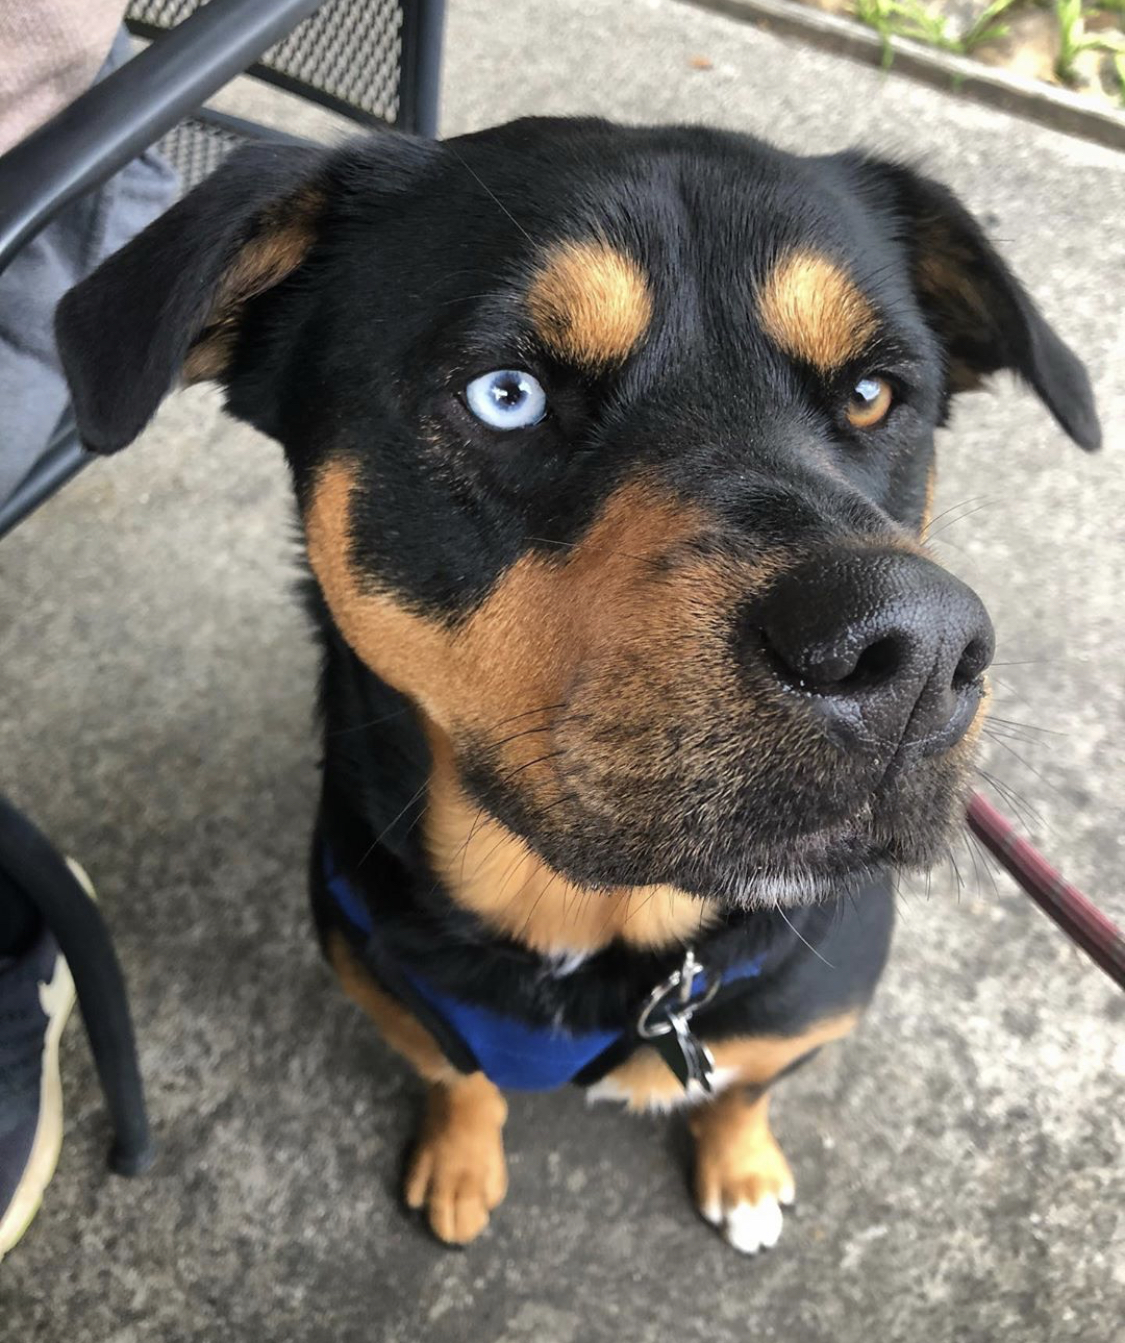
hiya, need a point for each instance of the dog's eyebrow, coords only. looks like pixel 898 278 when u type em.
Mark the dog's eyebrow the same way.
pixel 811 308
pixel 590 303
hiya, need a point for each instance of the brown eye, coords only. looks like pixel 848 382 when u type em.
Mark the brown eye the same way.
pixel 869 403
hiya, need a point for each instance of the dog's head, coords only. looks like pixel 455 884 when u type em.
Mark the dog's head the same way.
pixel 613 451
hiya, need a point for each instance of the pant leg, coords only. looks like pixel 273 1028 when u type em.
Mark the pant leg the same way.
pixel 32 390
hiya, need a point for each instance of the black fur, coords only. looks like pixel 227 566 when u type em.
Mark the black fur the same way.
pixel 413 286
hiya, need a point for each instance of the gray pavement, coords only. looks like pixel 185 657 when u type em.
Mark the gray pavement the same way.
pixel 959 1161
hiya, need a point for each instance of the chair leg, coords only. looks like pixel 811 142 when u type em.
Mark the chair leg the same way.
pixel 35 866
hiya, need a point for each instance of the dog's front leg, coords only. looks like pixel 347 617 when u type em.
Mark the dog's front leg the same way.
pixel 742 1179
pixel 457 1171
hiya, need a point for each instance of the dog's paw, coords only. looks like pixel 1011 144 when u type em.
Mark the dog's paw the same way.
pixel 457 1183
pixel 742 1191
pixel 457 1171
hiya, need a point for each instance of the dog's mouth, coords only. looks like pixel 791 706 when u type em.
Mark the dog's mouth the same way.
pixel 765 842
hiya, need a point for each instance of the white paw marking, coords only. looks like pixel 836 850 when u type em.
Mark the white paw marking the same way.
pixel 605 1090
pixel 751 1227
pixel 609 1089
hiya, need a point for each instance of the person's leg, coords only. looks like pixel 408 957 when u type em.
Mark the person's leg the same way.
pixel 33 391
pixel 19 920
pixel 36 997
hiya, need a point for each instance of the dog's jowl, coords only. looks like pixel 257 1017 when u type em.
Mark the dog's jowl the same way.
pixel 612 450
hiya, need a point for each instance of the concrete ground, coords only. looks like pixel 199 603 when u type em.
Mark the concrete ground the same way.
pixel 959 1161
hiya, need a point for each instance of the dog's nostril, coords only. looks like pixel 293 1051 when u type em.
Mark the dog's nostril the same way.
pixel 975 658
pixel 877 663
pixel 844 672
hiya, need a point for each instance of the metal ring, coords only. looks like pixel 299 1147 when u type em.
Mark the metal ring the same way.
pixel 685 1011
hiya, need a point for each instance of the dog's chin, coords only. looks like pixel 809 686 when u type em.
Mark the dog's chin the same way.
pixel 822 873
pixel 817 867
pixel 757 872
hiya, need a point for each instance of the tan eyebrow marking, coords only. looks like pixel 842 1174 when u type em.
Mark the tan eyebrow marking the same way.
pixel 590 303
pixel 814 311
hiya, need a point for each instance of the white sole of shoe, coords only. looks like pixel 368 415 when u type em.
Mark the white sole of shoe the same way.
pixel 57 1001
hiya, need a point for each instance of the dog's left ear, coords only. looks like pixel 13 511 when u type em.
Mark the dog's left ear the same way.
pixel 166 305
pixel 976 307
pixel 170 306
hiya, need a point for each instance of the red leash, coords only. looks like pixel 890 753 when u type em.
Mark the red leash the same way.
pixel 1078 917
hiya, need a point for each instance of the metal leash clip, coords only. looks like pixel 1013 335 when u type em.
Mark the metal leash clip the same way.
pixel 665 1022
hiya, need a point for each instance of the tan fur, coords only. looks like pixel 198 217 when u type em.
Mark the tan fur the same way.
pixel 487 672
pixel 737 1159
pixel 590 303
pixel 494 873
pixel 457 1171
pixel 285 236
pixel 810 308
pixel 489 677
pixel 644 1081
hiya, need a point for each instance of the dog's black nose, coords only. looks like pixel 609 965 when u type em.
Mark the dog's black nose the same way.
pixel 886 646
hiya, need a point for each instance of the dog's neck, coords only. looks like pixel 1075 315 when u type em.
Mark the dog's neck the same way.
pixel 492 872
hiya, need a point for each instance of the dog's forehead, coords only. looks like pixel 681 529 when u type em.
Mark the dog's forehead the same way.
pixel 601 239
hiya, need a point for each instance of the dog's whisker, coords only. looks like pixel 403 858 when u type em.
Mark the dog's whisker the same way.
pixel 547 727
pixel 1030 727
pixel 595 549
pixel 372 722
pixel 630 913
pixel 981 501
pixel 961 835
pixel 988 861
pixel 527 764
pixel 386 830
pixel 793 928
pixel 526 713
pixel 1029 767
pixel 488 190
pixel 1014 731
pixel 964 503
pixel 535 903
pixel 1026 813
pixel 468 842
pixel 956 871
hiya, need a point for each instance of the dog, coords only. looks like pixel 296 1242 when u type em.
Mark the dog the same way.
pixel 613 455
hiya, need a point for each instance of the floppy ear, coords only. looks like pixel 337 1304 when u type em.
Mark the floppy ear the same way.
pixel 975 305
pixel 169 302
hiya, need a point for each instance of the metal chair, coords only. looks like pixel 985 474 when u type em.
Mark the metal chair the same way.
pixel 374 62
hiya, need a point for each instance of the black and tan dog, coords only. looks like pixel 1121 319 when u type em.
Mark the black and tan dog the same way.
pixel 613 450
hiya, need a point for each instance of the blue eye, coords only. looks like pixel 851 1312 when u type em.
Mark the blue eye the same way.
pixel 507 398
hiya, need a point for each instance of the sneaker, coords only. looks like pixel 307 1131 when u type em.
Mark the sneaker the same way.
pixel 36 997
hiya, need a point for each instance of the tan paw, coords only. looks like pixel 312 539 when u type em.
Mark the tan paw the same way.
pixel 741 1185
pixel 457 1171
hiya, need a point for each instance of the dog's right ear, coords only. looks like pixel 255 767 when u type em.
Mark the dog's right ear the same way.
pixel 169 302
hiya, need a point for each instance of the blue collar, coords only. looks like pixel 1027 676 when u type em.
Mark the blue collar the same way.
pixel 510 1052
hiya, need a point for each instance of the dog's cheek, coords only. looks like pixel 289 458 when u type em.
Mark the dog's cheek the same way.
pixel 510 657
pixel 406 650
